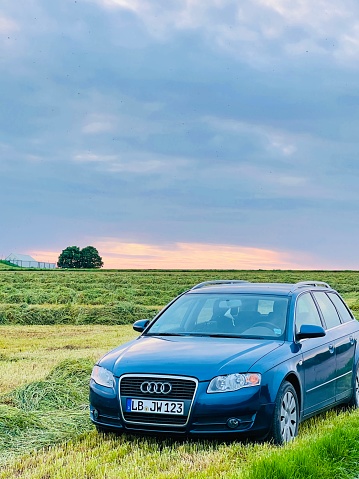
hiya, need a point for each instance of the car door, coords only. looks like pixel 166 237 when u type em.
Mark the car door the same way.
pixel 342 334
pixel 318 356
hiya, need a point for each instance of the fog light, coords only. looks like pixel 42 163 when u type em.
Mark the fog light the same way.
pixel 95 414
pixel 233 422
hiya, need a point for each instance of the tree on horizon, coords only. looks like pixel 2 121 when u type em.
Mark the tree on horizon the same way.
pixel 74 257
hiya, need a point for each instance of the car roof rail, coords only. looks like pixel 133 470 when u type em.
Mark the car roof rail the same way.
pixel 217 282
pixel 321 284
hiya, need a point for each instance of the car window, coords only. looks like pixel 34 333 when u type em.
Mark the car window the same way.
pixel 328 310
pixel 210 309
pixel 177 315
pixel 306 312
pixel 249 315
pixel 341 307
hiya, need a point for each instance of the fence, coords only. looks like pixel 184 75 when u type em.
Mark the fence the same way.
pixel 32 264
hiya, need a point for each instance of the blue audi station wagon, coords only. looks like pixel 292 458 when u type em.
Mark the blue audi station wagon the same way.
pixel 232 358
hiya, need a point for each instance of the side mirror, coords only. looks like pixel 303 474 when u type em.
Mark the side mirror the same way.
pixel 140 325
pixel 310 331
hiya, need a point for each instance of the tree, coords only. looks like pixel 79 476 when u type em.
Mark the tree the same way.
pixel 73 257
pixel 70 258
pixel 90 258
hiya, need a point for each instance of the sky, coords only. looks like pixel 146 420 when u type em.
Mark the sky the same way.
pixel 181 133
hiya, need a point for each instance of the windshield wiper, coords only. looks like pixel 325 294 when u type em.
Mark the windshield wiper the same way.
pixel 166 334
pixel 225 335
pixel 178 334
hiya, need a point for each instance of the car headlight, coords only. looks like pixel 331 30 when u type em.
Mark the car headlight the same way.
pixel 233 382
pixel 102 376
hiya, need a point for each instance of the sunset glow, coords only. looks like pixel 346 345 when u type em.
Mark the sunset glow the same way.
pixel 124 255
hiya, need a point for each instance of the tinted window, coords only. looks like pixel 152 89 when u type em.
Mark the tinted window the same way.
pixel 306 312
pixel 341 307
pixel 330 314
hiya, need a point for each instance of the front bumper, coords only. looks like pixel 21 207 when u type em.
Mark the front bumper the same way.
pixel 208 414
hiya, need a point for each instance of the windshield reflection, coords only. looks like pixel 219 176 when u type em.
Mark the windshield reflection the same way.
pixel 224 315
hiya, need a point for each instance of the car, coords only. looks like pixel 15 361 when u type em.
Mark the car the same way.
pixel 234 359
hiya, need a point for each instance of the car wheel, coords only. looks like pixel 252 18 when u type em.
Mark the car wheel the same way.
pixel 286 415
pixel 354 402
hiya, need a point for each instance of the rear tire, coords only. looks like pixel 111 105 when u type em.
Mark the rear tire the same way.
pixel 286 415
pixel 354 401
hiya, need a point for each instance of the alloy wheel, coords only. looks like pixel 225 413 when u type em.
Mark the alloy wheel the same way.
pixel 289 415
pixel 357 388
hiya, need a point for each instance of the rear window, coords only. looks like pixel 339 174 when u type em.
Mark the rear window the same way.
pixel 341 307
pixel 328 310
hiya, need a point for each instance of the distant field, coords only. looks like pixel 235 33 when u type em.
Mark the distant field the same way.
pixel 120 297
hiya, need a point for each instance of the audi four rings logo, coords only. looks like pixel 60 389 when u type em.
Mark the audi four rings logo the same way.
pixel 155 388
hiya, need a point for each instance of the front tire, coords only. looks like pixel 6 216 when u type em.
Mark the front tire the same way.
pixel 286 415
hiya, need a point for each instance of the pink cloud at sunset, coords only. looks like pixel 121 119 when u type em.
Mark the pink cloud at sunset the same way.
pixel 126 255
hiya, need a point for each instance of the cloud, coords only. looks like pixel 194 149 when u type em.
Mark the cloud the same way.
pixel 132 5
pixel 117 254
pixel 173 122
pixel 8 26
pixel 258 31
pixel 275 138
pixel 95 124
pixel 44 256
pixel 132 162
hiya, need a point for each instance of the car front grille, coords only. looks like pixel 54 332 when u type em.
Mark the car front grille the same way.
pixel 182 389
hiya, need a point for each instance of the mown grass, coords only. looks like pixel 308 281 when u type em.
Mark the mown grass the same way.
pixel 121 297
pixel 44 378
pixel 327 447
pixel 45 412
pixel 44 372
pixel 29 353
pixel 45 431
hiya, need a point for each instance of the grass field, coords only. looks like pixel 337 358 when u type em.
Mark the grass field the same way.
pixel 45 431
pixel 120 297
pixel 44 373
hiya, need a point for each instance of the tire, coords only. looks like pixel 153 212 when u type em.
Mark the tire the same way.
pixel 286 415
pixel 354 401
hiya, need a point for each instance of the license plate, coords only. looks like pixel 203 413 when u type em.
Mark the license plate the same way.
pixel 154 407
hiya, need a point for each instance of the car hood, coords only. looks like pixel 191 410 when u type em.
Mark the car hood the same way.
pixel 202 357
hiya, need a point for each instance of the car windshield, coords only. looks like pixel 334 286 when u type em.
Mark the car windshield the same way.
pixel 229 315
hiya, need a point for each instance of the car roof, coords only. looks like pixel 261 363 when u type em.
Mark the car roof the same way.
pixel 238 286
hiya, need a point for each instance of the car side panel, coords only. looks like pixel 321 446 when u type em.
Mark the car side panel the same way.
pixel 345 358
pixel 319 368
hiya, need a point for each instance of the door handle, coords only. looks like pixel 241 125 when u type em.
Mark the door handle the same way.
pixel 331 348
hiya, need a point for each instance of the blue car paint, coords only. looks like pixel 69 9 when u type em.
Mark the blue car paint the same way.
pixel 204 358
pixel 207 356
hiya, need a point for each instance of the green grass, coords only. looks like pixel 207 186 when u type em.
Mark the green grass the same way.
pixel 45 431
pixel 44 378
pixel 328 447
pixel 121 297
pixel 44 412
pixel 31 352
pixel 6 265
